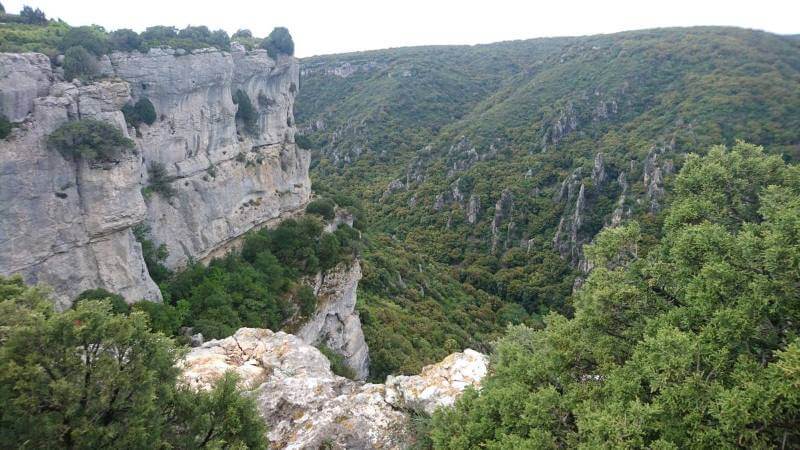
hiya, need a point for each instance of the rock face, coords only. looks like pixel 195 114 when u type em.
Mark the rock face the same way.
pixel 69 224
pixel 336 323
pixel 438 384
pixel 306 406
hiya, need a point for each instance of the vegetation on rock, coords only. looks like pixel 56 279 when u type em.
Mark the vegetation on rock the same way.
pixel 79 63
pixel 279 42
pixel 89 378
pixel 140 112
pixel 90 139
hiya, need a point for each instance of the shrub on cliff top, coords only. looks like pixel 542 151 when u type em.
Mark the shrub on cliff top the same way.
pixel 125 40
pixel 33 16
pixel 322 207
pixel 93 38
pixel 90 139
pixel 278 42
pixel 79 63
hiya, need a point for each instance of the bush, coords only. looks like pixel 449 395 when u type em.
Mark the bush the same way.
pixel 278 42
pixel 117 302
pixel 322 207
pixel 90 139
pixel 125 40
pixel 245 114
pixel 142 111
pixel 307 300
pixel 94 39
pixel 79 63
pixel 5 126
pixel 153 255
pixel 159 180
pixel 159 33
pixel 242 33
pixel 33 16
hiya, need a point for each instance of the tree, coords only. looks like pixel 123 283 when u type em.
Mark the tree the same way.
pixel 153 255
pixel 90 139
pixel 692 345
pixel 31 16
pixel 322 207
pixel 159 180
pixel 278 42
pixel 117 302
pixel 140 112
pixel 125 40
pixel 245 113
pixel 92 38
pixel 242 33
pixel 79 63
pixel 88 378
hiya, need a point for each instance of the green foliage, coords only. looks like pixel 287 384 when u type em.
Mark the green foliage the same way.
pixel 79 63
pixel 338 365
pixel 20 37
pixel 140 112
pixel 88 378
pixel 33 16
pixel 259 287
pixel 124 40
pixel 323 207
pixel 5 127
pixel 89 139
pixel 94 39
pixel 279 42
pixel 158 180
pixel 117 302
pixel 694 345
pixel 246 114
pixel 154 255
pixel 401 114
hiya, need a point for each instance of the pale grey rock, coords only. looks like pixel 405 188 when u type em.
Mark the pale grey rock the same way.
pixel 341 216
pixel 336 323
pixel 473 209
pixel 438 385
pixel 23 78
pixel 70 224
pixel 598 170
pixel 395 185
pixel 306 406
pixel 503 210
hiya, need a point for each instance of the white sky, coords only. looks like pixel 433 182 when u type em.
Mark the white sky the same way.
pixel 335 26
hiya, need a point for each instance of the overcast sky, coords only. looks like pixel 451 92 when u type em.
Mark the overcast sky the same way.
pixel 335 26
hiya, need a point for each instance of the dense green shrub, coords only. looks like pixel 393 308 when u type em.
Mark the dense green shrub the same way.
pixel 246 114
pixel 79 63
pixel 142 111
pixel 279 42
pixel 158 180
pixel 154 255
pixel 125 40
pixel 89 378
pixel 307 300
pixel 89 139
pixel 92 38
pixel 117 302
pixel 5 126
pixel 323 207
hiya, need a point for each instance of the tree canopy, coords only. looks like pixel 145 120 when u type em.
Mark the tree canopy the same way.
pixel 691 345
pixel 88 378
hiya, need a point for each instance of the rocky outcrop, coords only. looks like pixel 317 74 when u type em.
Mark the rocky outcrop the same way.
pixel 439 384
pixel 336 324
pixel 503 210
pixel 306 406
pixel 473 209
pixel 69 223
pixel 655 168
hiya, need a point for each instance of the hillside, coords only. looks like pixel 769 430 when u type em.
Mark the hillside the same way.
pixel 499 162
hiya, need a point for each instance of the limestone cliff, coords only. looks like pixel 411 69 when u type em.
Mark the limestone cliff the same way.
pixel 69 224
pixel 306 406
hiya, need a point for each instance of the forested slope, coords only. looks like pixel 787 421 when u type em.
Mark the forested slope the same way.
pixel 499 162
